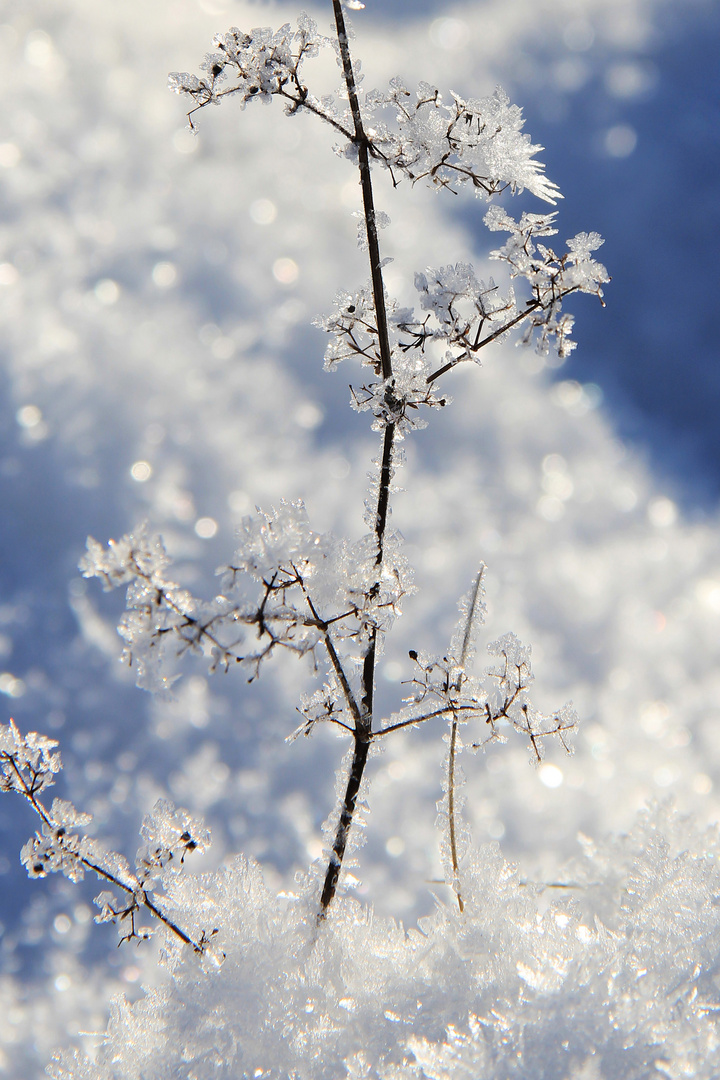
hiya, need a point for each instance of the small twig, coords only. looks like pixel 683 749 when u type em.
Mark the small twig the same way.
pixel 533 305
pixel 138 894
pixel 334 659
pixel 421 719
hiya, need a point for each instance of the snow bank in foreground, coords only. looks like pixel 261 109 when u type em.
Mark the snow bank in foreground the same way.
pixel 613 975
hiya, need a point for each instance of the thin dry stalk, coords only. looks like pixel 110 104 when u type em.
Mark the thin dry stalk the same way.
pixel 451 812
pixel 452 754
pixel 363 731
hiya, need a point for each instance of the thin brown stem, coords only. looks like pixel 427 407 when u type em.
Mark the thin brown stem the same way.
pixel 364 721
pixel 452 754
pixel 381 518
pixel 303 103
pixel 383 504
pixel 363 143
pixel 335 661
pixel 141 899
pixel 451 811
pixel 357 768
pixel 421 719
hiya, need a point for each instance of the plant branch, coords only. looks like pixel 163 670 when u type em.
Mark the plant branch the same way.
pixel 452 752
pixel 363 722
pixel 302 101
pixel 532 305
pixel 138 894
pixel 334 660
pixel 421 719
pixel 357 768
pixel 363 143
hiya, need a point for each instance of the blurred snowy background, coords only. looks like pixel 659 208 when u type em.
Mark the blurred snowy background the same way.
pixel 156 295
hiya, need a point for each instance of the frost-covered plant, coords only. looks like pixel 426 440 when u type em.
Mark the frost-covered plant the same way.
pixel 328 599
pixel 290 588
pixel 331 598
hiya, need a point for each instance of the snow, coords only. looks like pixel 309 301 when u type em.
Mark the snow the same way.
pixel 159 360
pixel 600 983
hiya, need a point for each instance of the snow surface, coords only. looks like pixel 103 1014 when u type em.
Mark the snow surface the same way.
pixel 159 362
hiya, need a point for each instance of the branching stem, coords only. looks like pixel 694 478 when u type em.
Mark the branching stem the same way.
pixel 363 732
pixel 138 894
pixel 334 660
pixel 532 306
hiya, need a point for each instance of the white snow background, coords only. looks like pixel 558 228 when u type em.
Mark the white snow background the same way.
pixel 156 294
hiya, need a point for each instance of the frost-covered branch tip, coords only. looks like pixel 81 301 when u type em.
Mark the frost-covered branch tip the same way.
pixel 417 135
pixel 464 314
pixel 163 621
pixel 28 765
pixel 315 593
pixel 476 142
pixel 258 65
pixel 443 686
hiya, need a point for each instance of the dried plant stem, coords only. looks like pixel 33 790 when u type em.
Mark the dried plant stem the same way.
pixel 362 143
pixel 452 753
pixel 451 812
pixel 357 768
pixel 363 732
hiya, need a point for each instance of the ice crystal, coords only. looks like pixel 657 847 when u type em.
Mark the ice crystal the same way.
pixel 169 835
pixel 499 700
pixel 28 764
pixel 551 277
